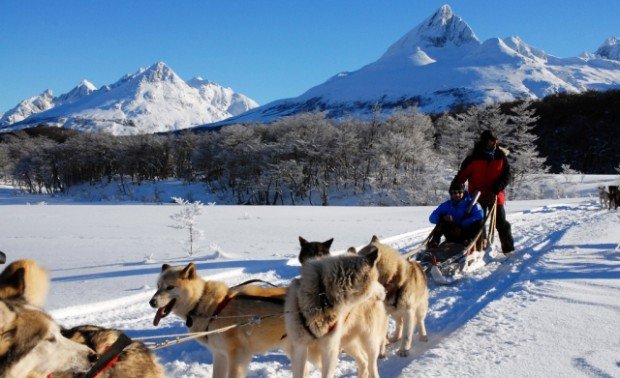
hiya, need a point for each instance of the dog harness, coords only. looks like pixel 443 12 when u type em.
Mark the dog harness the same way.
pixel 220 307
pixel 325 303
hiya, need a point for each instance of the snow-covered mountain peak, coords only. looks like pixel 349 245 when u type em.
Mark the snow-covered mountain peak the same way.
pixel 28 107
pixel 524 49
pixel 84 88
pixel 87 84
pixel 153 99
pixel 443 28
pixel 158 72
pixel 610 49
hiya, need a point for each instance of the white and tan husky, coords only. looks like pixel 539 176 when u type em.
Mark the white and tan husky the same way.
pixel 211 305
pixel 406 292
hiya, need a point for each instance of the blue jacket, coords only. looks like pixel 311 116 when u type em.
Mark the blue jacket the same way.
pixel 457 211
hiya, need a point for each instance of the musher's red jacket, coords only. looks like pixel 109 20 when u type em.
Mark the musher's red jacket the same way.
pixel 485 174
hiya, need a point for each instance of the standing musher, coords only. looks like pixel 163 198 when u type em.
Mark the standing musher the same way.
pixel 486 170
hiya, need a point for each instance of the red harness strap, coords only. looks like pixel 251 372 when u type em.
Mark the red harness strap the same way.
pixel 218 309
pixel 333 326
pixel 110 364
pixel 107 366
pixel 221 306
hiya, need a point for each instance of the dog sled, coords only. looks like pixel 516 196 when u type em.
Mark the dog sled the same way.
pixel 449 261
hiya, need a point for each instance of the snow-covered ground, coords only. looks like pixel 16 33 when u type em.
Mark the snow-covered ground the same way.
pixel 552 309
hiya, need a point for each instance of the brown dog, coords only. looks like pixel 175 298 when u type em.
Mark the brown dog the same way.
pixel 24 279
pixel 135 361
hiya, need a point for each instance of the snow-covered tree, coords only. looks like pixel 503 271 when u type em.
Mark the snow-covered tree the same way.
pixel 492 118
pixel 185 219
pixel 454 140
pixel 524 156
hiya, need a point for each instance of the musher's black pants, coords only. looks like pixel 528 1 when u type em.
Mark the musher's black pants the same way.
pixel 504 230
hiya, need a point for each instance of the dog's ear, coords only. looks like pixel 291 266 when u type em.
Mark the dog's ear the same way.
pixel 165 267
pixel 372 256
pixel 302 241
pixel 14 283
pixel 189 272
pixel 327 244
pixel 374 239
pixel 352 250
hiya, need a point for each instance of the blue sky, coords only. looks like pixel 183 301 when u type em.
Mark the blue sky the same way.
pixel 266 49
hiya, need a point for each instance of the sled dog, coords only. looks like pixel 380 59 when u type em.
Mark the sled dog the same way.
pixel 24 279
pixel 136 360
pixel 603 196
pixel 310 250
pixel 210 305
pixel 364 330
pixel 406 293
pixel 614 196
pixel 319 303
pixel 31 344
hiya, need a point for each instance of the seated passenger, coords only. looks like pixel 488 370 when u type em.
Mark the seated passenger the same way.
pixel 455 220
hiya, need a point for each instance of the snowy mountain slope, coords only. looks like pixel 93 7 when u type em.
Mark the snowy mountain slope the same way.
pixel 441 64
pixel 45 101
pixel 151 100
pixel 549 310
pixel 610 49
pixel 28 107
pixel 220 97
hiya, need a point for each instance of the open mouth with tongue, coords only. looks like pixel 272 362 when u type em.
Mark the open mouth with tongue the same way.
pixel 162 312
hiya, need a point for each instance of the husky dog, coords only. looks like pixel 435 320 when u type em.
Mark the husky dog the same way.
pixel 136 360
pixel 603 196
pixel 24 279
pixel 31 344
pixel 211 305
pixel 614 196
pixel 363 333
pixel 311 250
pixel 318 304
pixel 406 292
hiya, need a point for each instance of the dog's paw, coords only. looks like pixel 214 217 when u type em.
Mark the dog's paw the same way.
pixel 424 338
pixel 382 356
pixel 393 339
pixel 403 353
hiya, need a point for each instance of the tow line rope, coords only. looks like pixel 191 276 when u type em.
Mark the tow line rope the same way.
pixel 175 339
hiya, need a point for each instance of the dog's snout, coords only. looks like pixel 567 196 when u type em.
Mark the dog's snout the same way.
pixel 93 357
pixel 153 303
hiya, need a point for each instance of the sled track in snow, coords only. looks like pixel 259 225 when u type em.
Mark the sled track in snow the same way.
pixel 536 232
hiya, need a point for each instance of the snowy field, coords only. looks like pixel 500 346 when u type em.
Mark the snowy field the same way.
pixel 552 309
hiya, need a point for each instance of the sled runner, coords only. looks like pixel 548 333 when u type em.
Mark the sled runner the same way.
pixel 448 260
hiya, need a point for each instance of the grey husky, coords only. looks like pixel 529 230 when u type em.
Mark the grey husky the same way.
pixel 320 301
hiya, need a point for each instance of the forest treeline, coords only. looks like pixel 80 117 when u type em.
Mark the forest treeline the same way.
pixel 403 158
